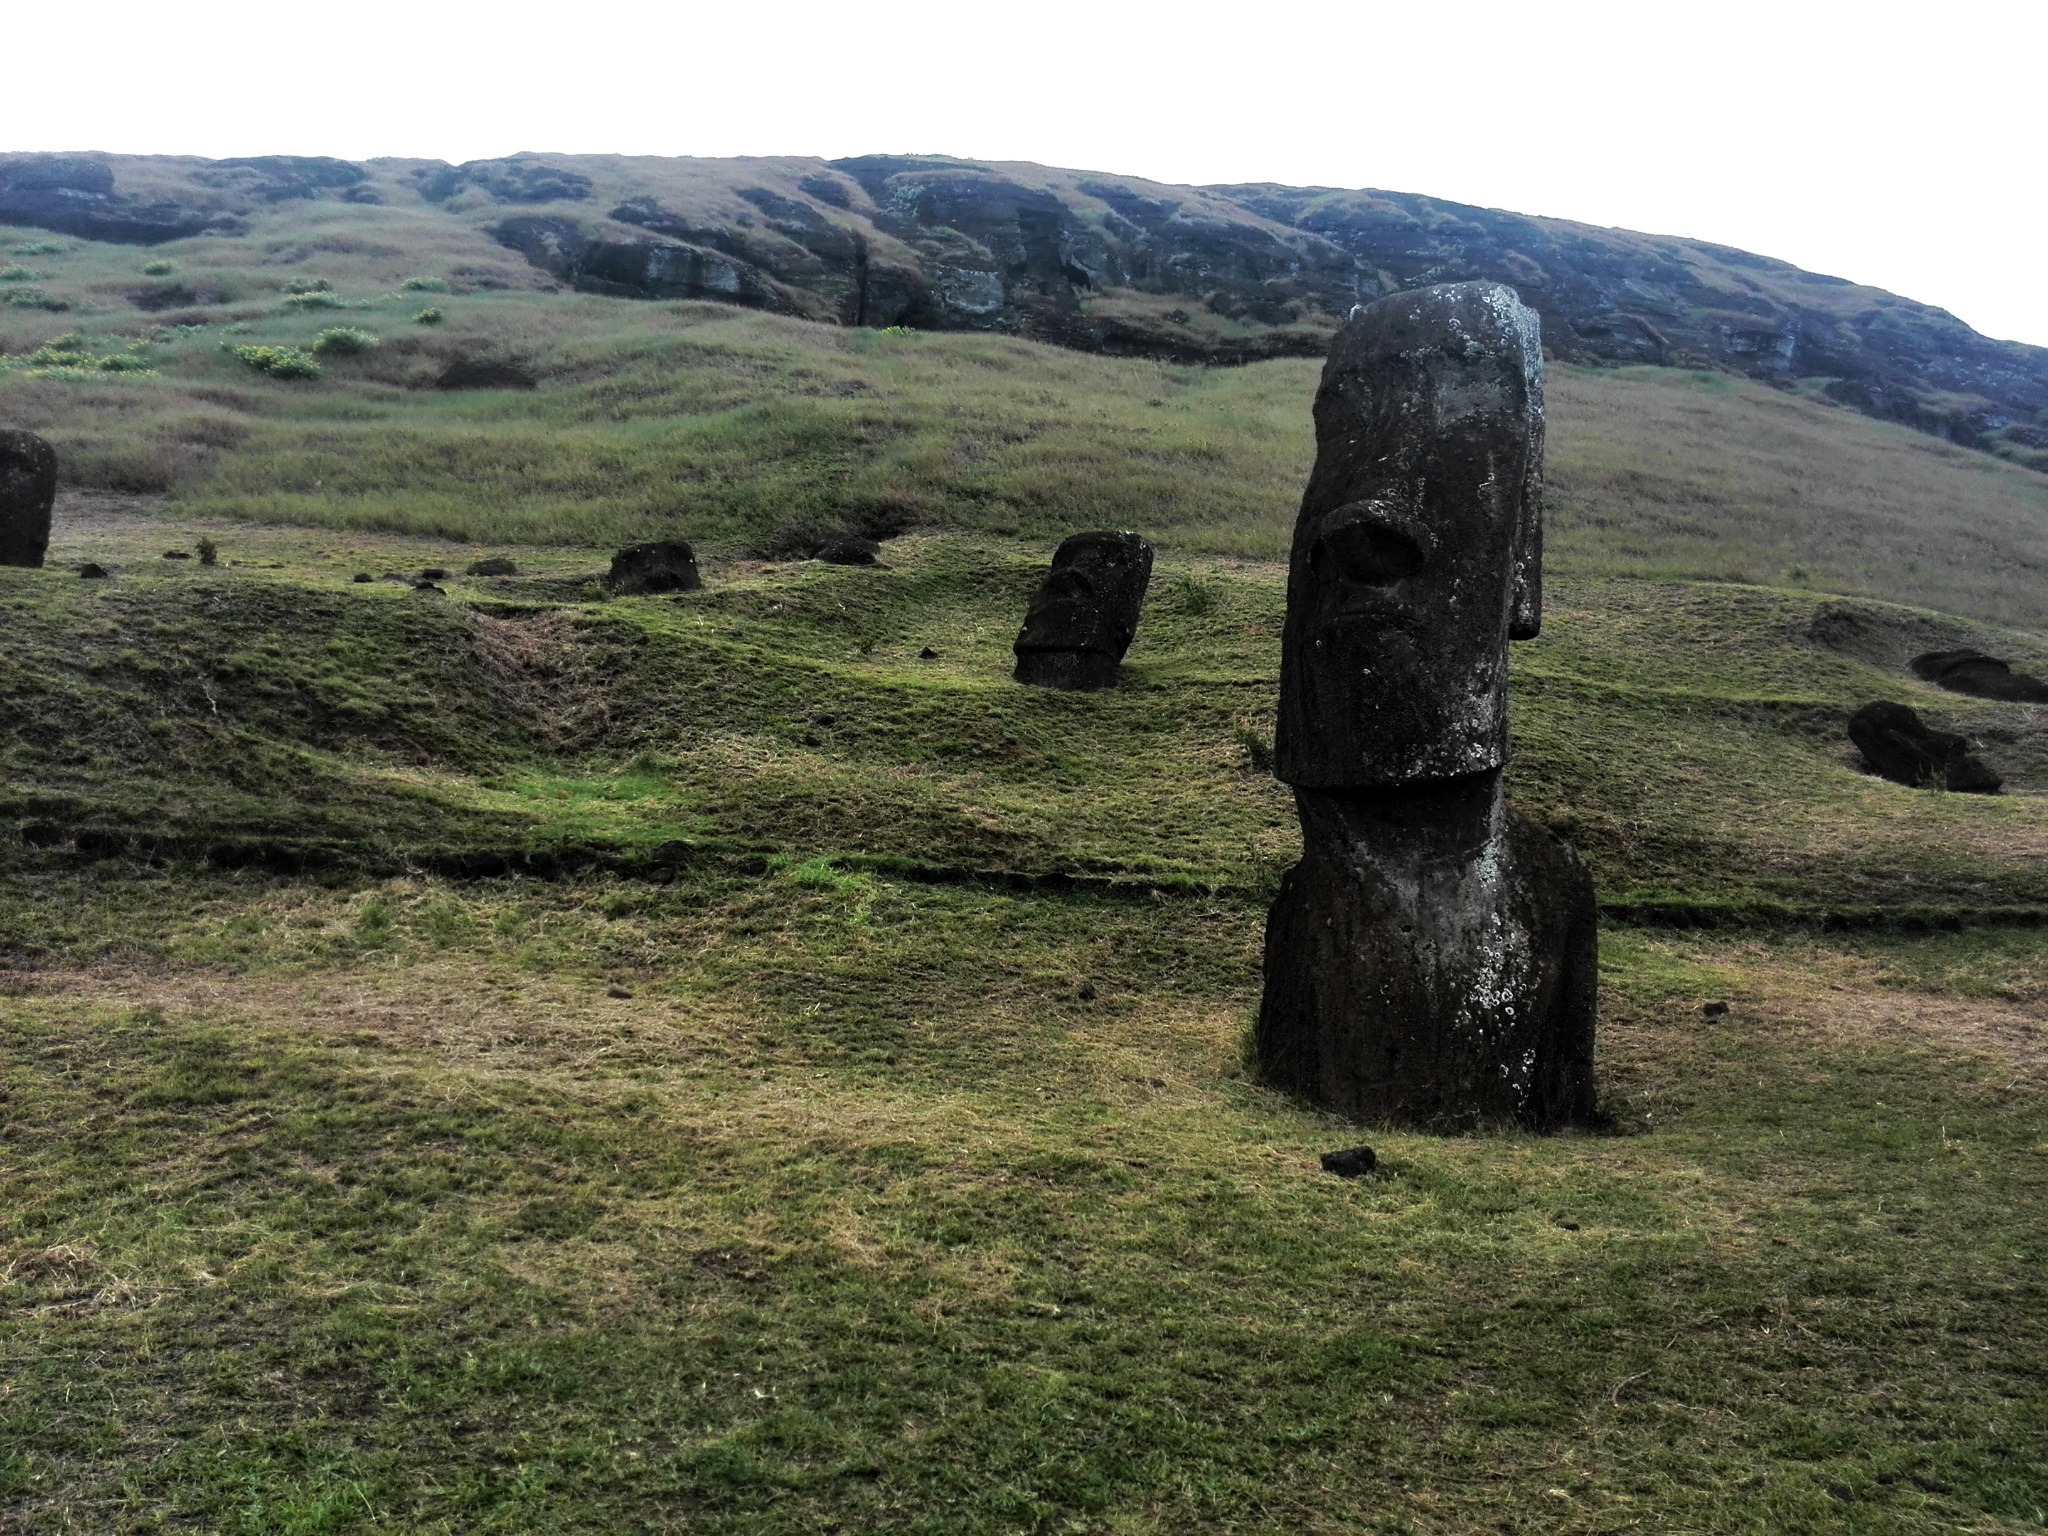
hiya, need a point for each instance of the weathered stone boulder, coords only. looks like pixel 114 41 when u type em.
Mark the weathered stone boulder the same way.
pixel 28 488
pixel 1898 745
pixel 1986 677
pixel 1432 959
pixel 496 565
pixel 850 551
pixel 1085 614
pixel 667 566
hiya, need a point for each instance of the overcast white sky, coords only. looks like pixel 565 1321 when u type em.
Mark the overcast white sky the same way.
pixel 1892 145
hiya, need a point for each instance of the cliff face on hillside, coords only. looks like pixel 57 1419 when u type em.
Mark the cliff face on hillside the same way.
pixel 1106 263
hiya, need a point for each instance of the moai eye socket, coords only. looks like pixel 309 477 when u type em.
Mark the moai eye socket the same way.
pixel 1368 552
pixel 1068 583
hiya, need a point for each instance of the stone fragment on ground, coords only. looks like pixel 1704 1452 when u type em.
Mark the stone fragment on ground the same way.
pixel 1898 745
pixel 667 565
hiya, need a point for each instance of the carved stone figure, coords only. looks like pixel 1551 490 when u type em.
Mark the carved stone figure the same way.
pixel 1900 746
pixel 1432 959
pixel 28 487
pixel 1971 671
pixel 1085 613
pixel 669 566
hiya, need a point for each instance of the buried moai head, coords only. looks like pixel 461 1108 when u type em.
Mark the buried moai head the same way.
pixel 1418 553
pixel 28 486
pixel 1085 613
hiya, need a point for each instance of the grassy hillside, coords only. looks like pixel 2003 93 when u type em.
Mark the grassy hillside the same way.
pixel 727 426
pixel 516 1060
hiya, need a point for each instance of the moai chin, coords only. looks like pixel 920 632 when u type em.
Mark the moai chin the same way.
pixel 1432 959
pixel 1085 613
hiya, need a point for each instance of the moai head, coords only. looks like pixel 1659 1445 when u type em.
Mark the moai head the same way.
pixel 28 486
pixel 669 566
pixel 1419 550
pixel 1086 612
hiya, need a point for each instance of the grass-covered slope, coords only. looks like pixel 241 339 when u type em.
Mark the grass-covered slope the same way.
pixel 1687 736
pixel 851 1132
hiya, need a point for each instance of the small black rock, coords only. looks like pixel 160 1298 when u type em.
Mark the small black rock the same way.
pixel 496 566
pixel 643 569
pixel 92 571
pixel 433 573
pixel 362 576
pixel 1351 1163
pixel 927 654
pixel 177 554
pixel 1713 1010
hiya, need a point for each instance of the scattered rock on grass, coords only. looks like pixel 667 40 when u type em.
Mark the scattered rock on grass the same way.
pixel 1899 746
pixel 1714 1010
pixel 927 654
pixel 669 565
pixel 497 565
pixel 851 551
pixel 1967 670
pixel 28 487
pixel 1351 1163
pixel 433 573
pixel 92 571
pixel 363 576
pixel 177 554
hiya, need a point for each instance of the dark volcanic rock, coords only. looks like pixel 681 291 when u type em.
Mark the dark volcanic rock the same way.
pixel 282 178
pixel 74 194
pixel 92 570
pixel 1973 672
pixel 851 552
pixel 668 566
pixel 28 487
pixel 497 565
pixel 516 179
pixel 1085 614
pixel 1899 746
pixel 1432 958
pixel 484 373
pixel 1351 1163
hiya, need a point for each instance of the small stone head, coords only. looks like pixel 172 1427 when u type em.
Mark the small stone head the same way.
pixel 1085 613
pixel 1418 552
pixel 667 566
pixel 28 486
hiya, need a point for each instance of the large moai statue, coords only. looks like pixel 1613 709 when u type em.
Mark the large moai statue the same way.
pixel 28 487
pixel 1432 958
pixel 1085 613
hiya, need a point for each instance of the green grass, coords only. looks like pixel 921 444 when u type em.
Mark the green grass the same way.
pixel 803 1202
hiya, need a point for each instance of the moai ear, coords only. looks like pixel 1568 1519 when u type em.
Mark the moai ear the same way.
pixel 1525 602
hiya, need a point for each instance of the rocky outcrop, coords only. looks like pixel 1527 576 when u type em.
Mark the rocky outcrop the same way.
pixel 74 195
pixel 1220 274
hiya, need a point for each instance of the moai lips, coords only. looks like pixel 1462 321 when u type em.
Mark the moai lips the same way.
pixel 1419 549
pixel 1085 614
pixel 28 488
pixel 1432 959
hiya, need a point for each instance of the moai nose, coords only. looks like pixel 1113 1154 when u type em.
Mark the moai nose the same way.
pixel 1371 551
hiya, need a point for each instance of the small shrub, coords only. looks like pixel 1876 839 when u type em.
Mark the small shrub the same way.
pixel 33 298
pixel 428 317
pixel 278 362
pixel 342 341
pixel 309 285
pixel 209 552
pixel 318 298
pixel 159 268
pixel 67 354
pixel 37 248
pixel 425 285
pixel 20 274
pixel 1193 596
